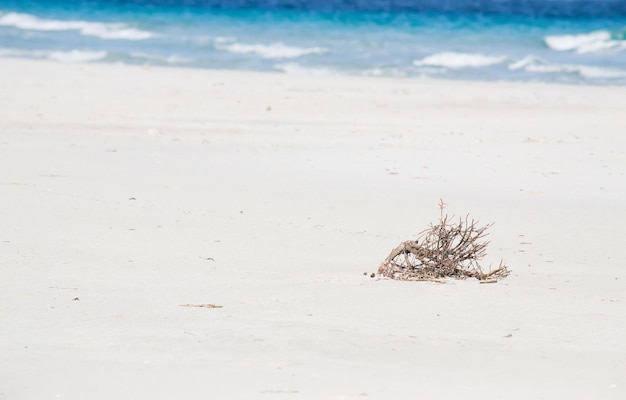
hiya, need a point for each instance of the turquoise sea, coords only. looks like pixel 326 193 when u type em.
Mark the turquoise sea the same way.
pixel 566 41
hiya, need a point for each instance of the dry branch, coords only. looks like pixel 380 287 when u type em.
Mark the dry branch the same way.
pixel 447 249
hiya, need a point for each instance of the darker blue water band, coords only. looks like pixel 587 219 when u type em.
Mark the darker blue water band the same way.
pixel 527 8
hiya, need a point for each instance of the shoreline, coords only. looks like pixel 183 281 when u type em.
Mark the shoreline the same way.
pixel 424 93
pixel 135 190
pixel 312 75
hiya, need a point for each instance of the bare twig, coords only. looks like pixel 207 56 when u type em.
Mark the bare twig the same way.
pixel 206 305
pixel 443 250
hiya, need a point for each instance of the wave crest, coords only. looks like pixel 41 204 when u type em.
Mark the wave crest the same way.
pixel 98 29
pixel 272 51
pixel 455 60
pixel 585 43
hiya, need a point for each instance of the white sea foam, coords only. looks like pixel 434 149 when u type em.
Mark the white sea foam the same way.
pixel 585 43
pixel 536 65
pixel 525 63
pixel 76 56
pixel 600 73
pixel 72 56
pixel 101 30
pixel 455 60
pixel 271 51
pixel 224 39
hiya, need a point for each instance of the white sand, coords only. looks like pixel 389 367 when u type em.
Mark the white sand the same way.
pixel 138 189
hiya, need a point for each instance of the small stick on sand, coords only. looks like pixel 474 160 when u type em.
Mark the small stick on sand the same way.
pixel 207 305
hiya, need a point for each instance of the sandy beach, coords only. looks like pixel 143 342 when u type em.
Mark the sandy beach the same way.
pixel 129 191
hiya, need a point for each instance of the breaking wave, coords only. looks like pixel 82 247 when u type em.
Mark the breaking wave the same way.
pixel 98 29
pixel 586 43
pixel 272 51
pixel 455 60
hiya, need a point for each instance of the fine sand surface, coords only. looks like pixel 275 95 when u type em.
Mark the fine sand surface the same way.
pixel 127 191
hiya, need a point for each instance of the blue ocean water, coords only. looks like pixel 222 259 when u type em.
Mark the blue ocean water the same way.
pixel 567 41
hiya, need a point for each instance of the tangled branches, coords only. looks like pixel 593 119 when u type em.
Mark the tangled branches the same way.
pixel 448 249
